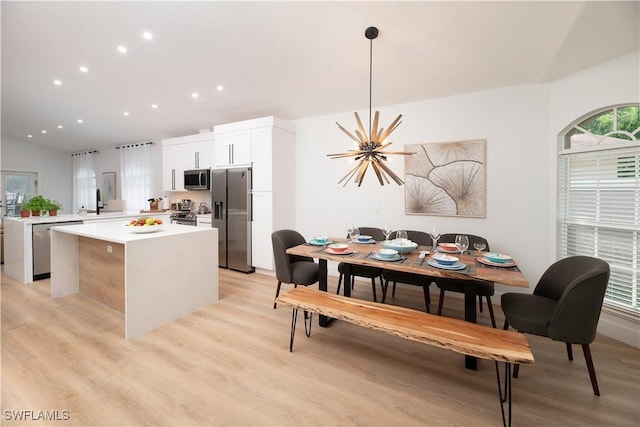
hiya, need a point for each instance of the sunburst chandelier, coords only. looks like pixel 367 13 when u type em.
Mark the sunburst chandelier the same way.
pixel 371 146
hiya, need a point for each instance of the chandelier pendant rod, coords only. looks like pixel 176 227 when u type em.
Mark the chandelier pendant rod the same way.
pixel 370 83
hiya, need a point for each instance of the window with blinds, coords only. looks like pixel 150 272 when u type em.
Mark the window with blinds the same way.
pixel 599 201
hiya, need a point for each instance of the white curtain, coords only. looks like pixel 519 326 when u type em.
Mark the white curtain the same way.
pixel 135 164
pixel 84 181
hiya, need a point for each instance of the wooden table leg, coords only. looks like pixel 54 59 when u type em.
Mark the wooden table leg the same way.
pixel 470 362
pixel 348 280
pixel 323 321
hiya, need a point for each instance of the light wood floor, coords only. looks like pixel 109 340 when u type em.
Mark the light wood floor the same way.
pixel 229 364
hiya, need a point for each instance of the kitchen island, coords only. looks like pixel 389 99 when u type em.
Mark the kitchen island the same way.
pixel 152 278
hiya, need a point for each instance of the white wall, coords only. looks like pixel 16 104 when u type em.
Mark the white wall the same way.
pixel 53 168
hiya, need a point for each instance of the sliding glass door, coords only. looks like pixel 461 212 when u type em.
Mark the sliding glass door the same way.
pixel 16 188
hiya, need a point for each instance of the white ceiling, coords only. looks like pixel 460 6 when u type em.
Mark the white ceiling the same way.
pixel 289 59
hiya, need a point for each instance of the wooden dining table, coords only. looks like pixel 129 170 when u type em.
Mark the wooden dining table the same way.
pixel 360 254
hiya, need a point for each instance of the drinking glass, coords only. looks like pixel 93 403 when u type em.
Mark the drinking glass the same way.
pixel 354 232
pixel 462 243
pixel 479 247
pixel 401 237
pixel 386 229
pixel 434 238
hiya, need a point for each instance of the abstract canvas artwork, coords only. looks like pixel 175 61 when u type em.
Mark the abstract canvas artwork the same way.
pixel 446 179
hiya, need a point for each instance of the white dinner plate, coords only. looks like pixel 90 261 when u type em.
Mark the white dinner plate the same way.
pixel 483 260
pixel 332 252
pixel 396 257
pixel 457 266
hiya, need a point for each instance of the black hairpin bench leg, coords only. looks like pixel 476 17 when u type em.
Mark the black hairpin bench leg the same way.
pixel 506 397
pixel 308 318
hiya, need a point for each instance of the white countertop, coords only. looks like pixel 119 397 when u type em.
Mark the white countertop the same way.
pixel 119 232
pixel 46 219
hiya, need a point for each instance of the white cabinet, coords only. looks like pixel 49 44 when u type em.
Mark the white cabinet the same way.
pixel 203 220
pixel 184 153
pixel 173 166
pixel 232 149
pixel 262 146
pixel 198 154
pixel 261 229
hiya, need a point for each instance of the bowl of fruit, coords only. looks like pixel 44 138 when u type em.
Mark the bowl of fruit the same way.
pixel 144 224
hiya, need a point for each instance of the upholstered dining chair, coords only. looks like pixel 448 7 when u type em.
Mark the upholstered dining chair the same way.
pixel 362 270
pixel 421 238
pixel 294 269
pixel 483 289
pixel 565 306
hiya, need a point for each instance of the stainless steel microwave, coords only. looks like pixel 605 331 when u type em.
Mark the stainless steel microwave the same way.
pixel 197 179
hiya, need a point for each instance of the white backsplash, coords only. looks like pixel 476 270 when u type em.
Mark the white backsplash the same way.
pixel 196 197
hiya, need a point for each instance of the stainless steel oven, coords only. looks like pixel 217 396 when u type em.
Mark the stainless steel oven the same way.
pixel 184 218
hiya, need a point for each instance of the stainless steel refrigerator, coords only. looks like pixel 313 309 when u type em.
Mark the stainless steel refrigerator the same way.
pixel 232 215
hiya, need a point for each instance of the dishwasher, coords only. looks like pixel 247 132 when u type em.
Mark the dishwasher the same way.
pixel 42 248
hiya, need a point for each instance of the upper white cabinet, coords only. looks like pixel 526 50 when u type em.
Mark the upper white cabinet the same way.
pixel 198 154
pixel 232 148
pixel 173 166
pixel 184 153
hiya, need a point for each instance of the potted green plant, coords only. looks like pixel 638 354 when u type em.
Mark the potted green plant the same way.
pixel 25 210
pixel 37 204
pixel 53 206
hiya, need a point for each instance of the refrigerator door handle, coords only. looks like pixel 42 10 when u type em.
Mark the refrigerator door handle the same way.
pixel 250 203
pixel 217 210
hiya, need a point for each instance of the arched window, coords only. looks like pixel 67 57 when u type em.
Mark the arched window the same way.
pixel 599 198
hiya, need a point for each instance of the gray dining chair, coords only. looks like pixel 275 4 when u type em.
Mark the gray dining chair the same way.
pixel 483 289
pixel 362 270
pixel 421 238
pixel 565 306
pixel 294 269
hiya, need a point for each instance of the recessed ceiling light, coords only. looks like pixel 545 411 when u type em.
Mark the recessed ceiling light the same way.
pixel 43 131
pixel 122 49
pixel 84 69
pixel 219 88
pixel 195 95
pixel 59 126
pixel 154 106
pixel 29 136
pixel 126 113
pixel 80 121
pixel 147 35
pixel 57 82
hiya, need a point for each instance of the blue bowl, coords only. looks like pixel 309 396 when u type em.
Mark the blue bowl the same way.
pixel 387 253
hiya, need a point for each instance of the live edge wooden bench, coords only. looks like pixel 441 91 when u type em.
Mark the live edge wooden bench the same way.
pixel 453 334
